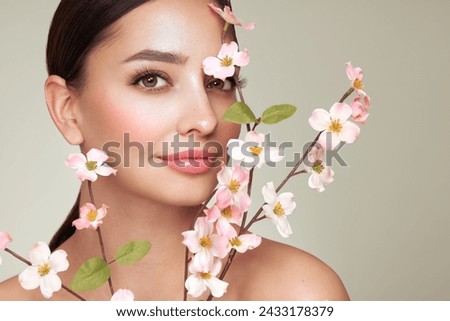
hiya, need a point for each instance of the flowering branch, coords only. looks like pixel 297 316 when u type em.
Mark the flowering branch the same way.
pixel 100 238
pixel 41 269
pixel 186 256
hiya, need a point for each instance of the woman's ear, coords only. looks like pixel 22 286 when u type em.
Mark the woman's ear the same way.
pixel 61 106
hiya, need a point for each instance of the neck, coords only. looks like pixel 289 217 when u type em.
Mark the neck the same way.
pixel 132 218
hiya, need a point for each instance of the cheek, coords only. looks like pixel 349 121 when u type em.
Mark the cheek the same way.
pixel 110 116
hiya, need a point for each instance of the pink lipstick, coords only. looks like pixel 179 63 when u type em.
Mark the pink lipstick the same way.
pixel 191 161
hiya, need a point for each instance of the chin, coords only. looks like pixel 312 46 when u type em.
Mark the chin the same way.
pixel 168 186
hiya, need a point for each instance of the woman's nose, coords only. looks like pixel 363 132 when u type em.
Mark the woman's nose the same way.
pixel 198 116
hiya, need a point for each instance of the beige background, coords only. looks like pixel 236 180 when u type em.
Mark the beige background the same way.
pixel 383 225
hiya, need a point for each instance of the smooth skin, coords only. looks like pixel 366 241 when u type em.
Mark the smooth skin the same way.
pixel 158 204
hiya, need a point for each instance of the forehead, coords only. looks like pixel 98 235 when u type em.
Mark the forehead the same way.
pixel 189 27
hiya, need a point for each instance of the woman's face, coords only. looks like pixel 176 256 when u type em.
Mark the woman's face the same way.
pixel 146 98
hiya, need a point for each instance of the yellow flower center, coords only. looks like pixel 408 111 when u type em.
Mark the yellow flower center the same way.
pixel 92 215
pixel 205 276
pixel 205 242
pixel 255 150
pixel 318 167
pixel 278 209
pixel 44 269
pixel 91 166
pixel 234 186
pixel 236 242
pixel 335 126
pixel 226 61
pixel 227 212
pixel 358 84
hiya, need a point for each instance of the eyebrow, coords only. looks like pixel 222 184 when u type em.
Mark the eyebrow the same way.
pixel 156 55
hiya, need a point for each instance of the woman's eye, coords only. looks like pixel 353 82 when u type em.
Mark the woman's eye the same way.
pixel 152 81
pixel 225 85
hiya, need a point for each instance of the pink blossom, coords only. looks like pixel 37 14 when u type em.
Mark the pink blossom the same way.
pixel 202 240
pixel 43 270
pixel 320 173
pixel 123 295
pixel 359 111
pixel 336 123
pixel 241 243
pixel 5 239
pixel 89 166
pixel 204 276
pixel 229 17
pixel 222 66
pixel 232 188
pixel 253 150
pixel 278 207
pixel 355 75
pixel 224 216
pixel 90 216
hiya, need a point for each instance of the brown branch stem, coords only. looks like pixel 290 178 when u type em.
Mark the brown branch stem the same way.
pixel 102 248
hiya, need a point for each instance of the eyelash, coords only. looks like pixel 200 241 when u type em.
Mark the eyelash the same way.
pixel 142 73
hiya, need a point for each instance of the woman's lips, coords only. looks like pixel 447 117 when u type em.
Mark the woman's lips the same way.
pixel 191 161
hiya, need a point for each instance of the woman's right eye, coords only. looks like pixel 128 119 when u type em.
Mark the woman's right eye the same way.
pixel 152 81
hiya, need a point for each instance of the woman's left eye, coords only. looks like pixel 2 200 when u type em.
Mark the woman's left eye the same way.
pixel 225 85
pixel 152 81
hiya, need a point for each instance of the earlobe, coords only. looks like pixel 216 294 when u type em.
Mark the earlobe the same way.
pixel 61 106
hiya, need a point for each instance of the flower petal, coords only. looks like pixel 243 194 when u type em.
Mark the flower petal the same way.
pixel 213 213
pixel 97 155
pixel 30 279
pixel 327 175
pixel 211 65
pixel 81 224
pixel 249 242
pixel 241 59
pixel 191 241
pixel 241 175
pixel 320 119
pixel 203 227
pixel 269 193
pixel 58 261
pixel 340 111
pixel 349 132
pixel 283 226
pixel 224 72
pixel 235 149
pixel 228 50
pixel 123 295
pixel 287 202
pixel 39 254
pixel 5 239
pixel 217 287
pixel 76 161
pixel 195 286
pixel 85 174
pixel 219 246
pixel 49 284
pixel 105 170
pixel 315 182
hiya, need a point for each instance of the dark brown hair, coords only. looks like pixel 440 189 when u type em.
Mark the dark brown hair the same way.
pixel 79 26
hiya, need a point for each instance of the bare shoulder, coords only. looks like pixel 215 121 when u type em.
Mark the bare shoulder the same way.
pixel 10 290
pixel 276 271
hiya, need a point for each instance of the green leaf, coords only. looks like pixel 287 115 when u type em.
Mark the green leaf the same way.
pixel 91 275
pixel 239 113
pixel 132 252
pixel 275 114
